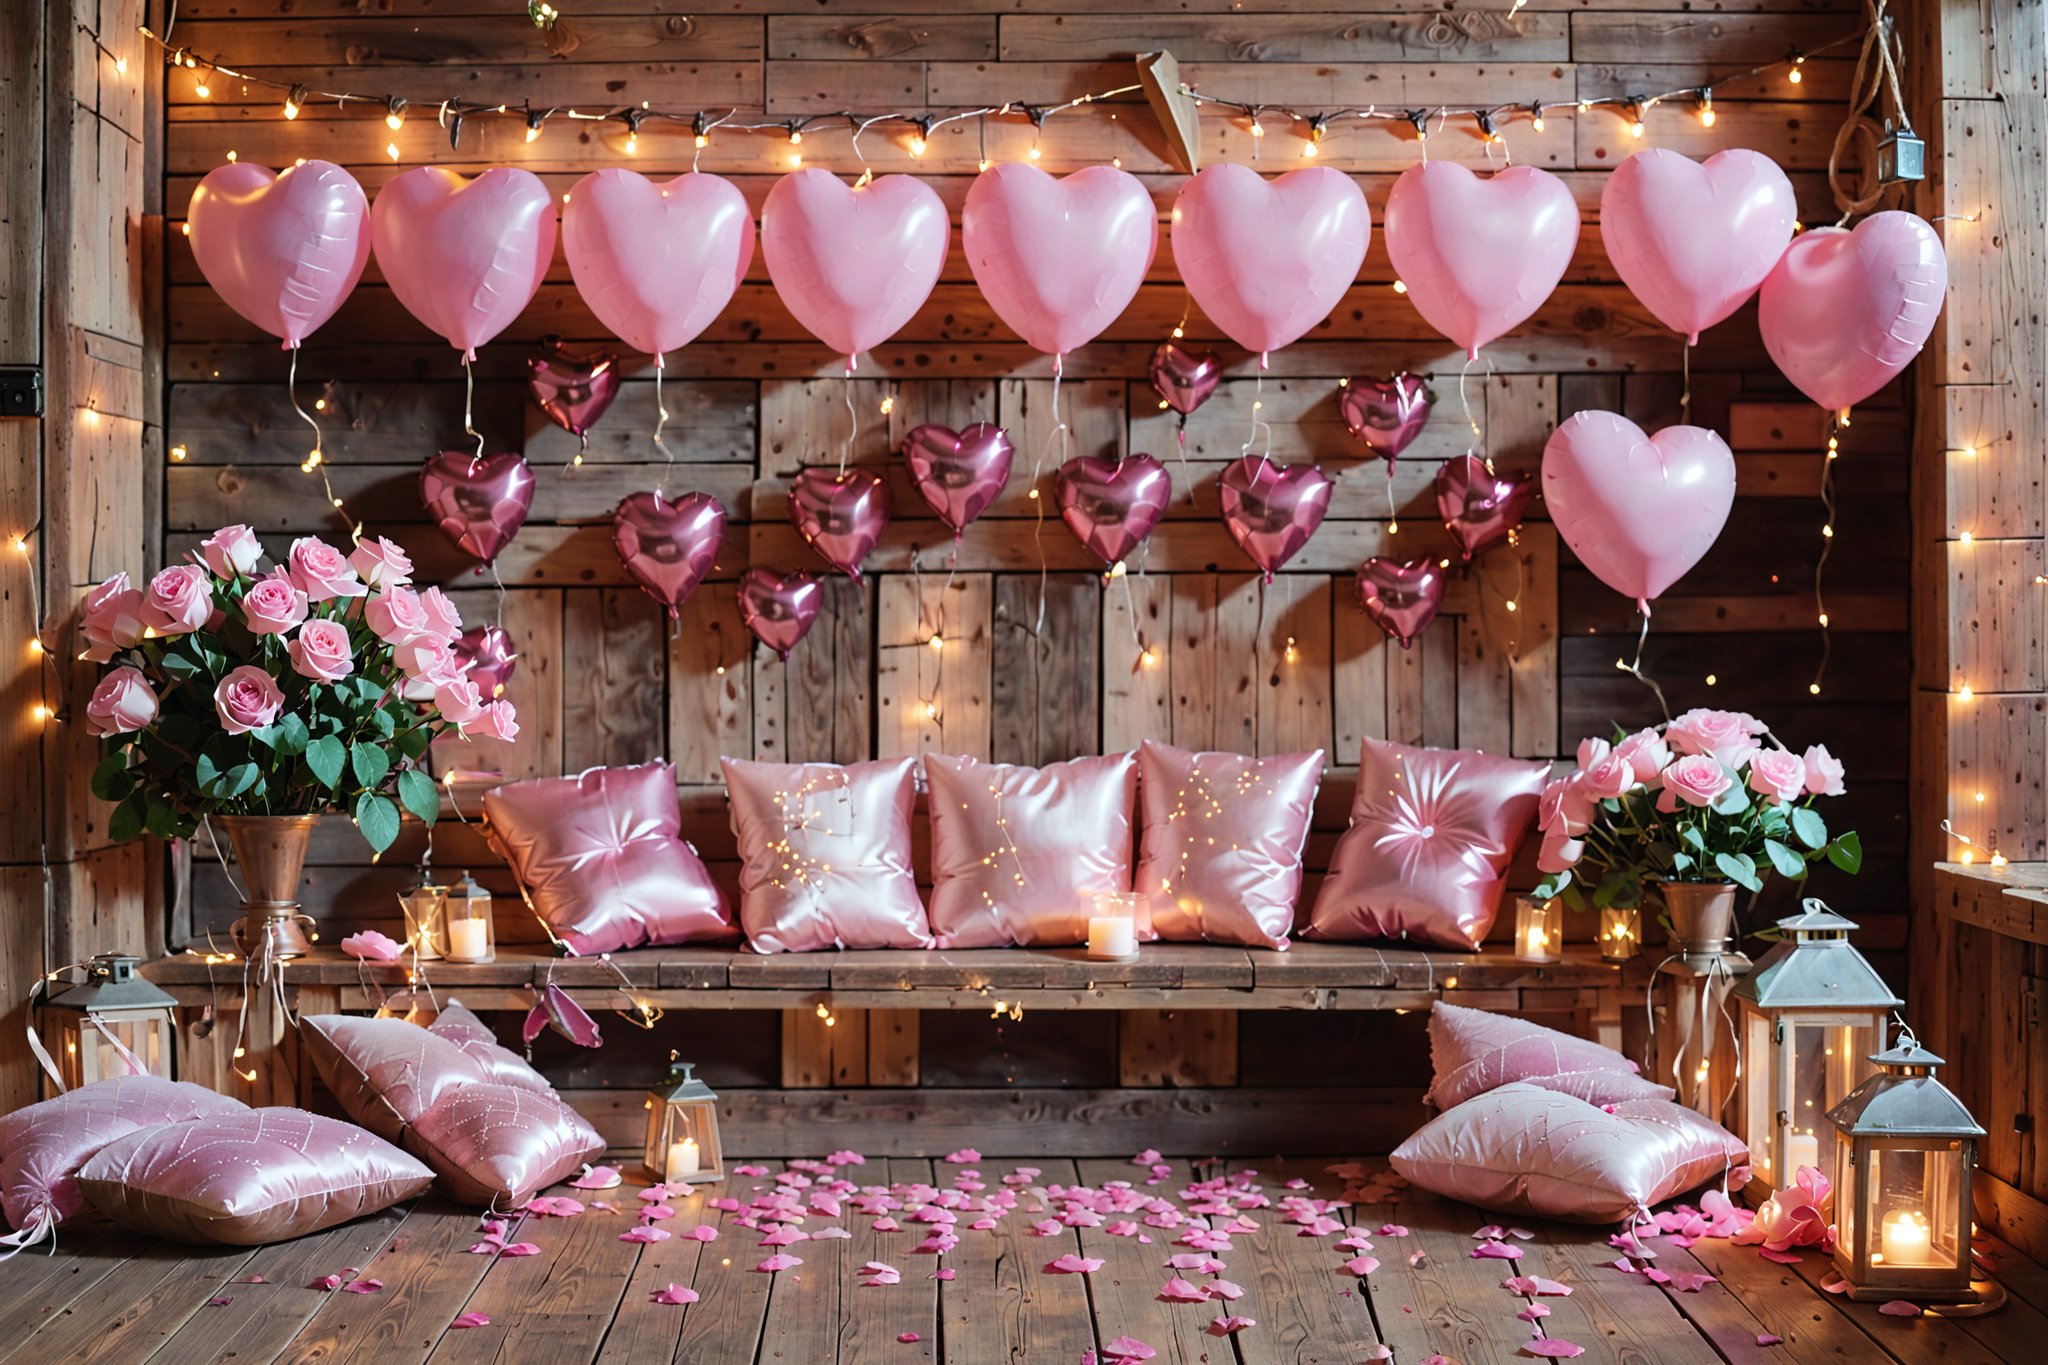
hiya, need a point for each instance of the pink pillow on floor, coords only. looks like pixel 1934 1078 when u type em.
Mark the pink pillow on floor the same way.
pixel 602 858
pixel 1472 1052
pixel 1018 853
pixel 458 1026
pixel 1524 1149
pixel 1221 850
pixel 1432 833
pixel 825 855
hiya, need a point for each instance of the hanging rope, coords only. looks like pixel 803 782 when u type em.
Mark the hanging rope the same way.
pixel 1877 73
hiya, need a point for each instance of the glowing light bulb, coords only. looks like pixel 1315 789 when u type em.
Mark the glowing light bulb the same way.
pixel 1400 286
pixel 1964 693
pixel 632 144
pixel 35 646
pixel 1536 124
pixel 703 141
pixel 1148 658
pixel 1258 129
pixel 796 158
pixel 796 135
pixel 917 146
pixel 178 454
pixel 937 642
pixel 232 157
pixel 1813 689
pixel 1179 332
pixel 291 107
pixel 1713 679
pixel 121 65
pixel 1966 537
pixel 396 118
pixel 1033 153
pixel 1998 860
pixel 931 710
pixel 983 163
pixel 203 90
pixel 1308 149
pixel 1635 129
pixel 391 150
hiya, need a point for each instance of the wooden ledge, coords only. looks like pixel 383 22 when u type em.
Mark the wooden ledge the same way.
pixel 2010 900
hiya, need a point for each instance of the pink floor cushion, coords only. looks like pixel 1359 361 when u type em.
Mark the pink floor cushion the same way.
pixel 1472 1052
pixel 248 1178
pixel 825 855
pixel 1524 1149
pixel 1221 850
pixel 458 1026
pixel 1019 853
pixel 602 857
pixel 43 1145
pixel 1432 833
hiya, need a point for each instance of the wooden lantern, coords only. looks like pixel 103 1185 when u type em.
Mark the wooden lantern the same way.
pixel 113 1015
pixel 682 1129
pixel 469 935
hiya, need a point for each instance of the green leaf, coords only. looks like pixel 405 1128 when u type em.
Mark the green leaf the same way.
pixel 1740 869
pixel 1691 835
pixel 126 821
pixel 417 792
pixel 413 743
pixel 370 762
pixel 1682 862
pixel 110 780
pixel 377 818
pixel 1846 852
pixel 1788 863
pixel 291 734
pixel 161 820
pixel 325 757
pixel 206 772
pixel 239 779
pixel 1811 829
pixel 1734 801
pixel 1610 886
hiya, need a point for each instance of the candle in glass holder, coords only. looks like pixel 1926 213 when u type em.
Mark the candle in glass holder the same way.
pixel 1905 1239
pixel 1539 930
pixel 467 940
pixel 1801 1149
pixel 1113 928
pixel 1621 933
pixel 682 1160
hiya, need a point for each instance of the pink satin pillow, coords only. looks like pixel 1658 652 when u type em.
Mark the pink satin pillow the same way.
pixel 1472 1052
pixel 1524 1149
pixel 1221 850
pixel 825 855
pixel 249 1178
pixel 1432 833
pixel 457 1025
pixel 602 857
pixel 1018 853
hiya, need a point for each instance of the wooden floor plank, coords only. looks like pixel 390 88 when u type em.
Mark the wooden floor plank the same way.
pixel 1125 1291
pixel 873 1318
pixel 724 1326
pixel 1784 1304
pixel 645 1332
pixel 1295 1288
pixel 805 1303
pixel 1722 1318
pixel 2021 1327
pixel 1001 1305
pixel 1925 1340
pixel 1442 1300
pixel 134 1309
pixel 1631 1314
pixel 40 1284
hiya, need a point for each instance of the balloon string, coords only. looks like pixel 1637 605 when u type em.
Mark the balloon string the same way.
pixel 1635 670
pixel 1393 512
pixel 316 458
pixel 1827 545
pixel 852 421
pixel 1187 473
pixel 1058 433
pixel 1465 402
pixel 1258 423
pixel 660 421
pixel 469 411
pixel 499 580
pixel 1131 611
pixel 1685 384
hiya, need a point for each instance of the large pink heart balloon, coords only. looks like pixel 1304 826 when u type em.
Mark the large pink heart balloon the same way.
pixel 479 503
pixel 1693 239
pixel 1112 505
pixel 853 264
pixel 958 473
pixel 656 263
pixel 1844 311
pixel 464 256
pixel 841 515
pixel 667 546
pixel 1480 509
pixel 1479 256
pixel 1637 510
pixel 1182 378
pixel 1058 259
pixel 1272 509
pixel 283 251
pixel 1386 414
pixel 489 658
pixel 1268 259
pixel 1402 598
pixel 779 607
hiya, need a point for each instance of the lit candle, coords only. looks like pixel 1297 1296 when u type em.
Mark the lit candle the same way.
pixel 1801 1149
pixel 1112 936
pixel 466 939
pixel 682 1159
pixel 1537 943
pixel 1906 1239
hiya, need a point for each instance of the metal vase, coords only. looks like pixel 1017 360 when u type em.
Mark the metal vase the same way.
pixel 270 851
pixel 1702 917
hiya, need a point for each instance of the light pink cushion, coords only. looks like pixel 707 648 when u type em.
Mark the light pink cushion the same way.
pixel 1432 833
pixel 249 1178
pixel 1524 1149
pixel 43 1145
pixel 603 859
pixel 825 855
pixel 1472 1052
pixel 1221 850
pixel 1019 853
pixel 458 1026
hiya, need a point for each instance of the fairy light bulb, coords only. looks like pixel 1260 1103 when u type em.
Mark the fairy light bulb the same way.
pixel 1635 119
pixel 121 66
pixel 233 156
pixel 1797 74
pixel 796 135
pixel 1400 286
pixel 391 150
pixel 916 145
pixel 1258 128
pixel 937 642
pixel 931 710
pixel 1964 693
pixel 395 119
pixel 202 89
pixel 295 101
pixel 1536 118
pixel 533 122
pixel 1706 107
pixel 1034 153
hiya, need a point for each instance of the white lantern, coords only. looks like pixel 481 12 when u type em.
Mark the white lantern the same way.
pixel 682 1129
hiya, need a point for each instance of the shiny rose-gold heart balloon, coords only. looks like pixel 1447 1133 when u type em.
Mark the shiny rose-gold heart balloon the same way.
pixel 488 652
pixel 1386 414
pixel 1480 509
pixel 667 546
pixel 479 503
pixel 573 389
pixel 1272 509
pixel 779 607
pixel 958 473
pixel 841 515
pixel 1401 598
pixel 1184 378
pixel 1112 505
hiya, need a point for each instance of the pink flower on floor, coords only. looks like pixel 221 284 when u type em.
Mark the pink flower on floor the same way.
pixel 371 946
pixel 966 1156
pixel 554 1206
pixel 1071 1264
pixel 1223 1289
pixel 1229 1325
pixel 122 704
pixel 1124 1350
pixel 674 1295
pixel 646 1232
pixel 1362 1265
pixel 778 1262
pixel 1177 1290
pixel 1796 1216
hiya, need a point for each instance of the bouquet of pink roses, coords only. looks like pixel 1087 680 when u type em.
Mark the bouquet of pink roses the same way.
pixel 314 687
pixel 1713 797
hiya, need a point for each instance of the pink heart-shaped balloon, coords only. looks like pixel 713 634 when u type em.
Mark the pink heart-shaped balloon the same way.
pixel 1479 256
pixel 1637 510
pixel 571 388
pixel 958 473
pixel 779 607
pixel 464 256
pixel 1272 509
pixel 667 546
pixel 479 503
pixel 1844 311
pixel 656 262
pixel 1386 414
pixel 841 515
pixel 1058 259
pixel 1184 378
pixel 1112 505
pixel 1268 259
pixel 1480 509
pixel 853 264
pixel 1693 239
pixel 1401 598
pixel 283 251
pixel 487 653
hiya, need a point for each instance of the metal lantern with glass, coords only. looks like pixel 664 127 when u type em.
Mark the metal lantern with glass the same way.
pixel 467 913
pixel 1539 929
pixel 1621 933
pixel 682 1129
pixel 1812 1013
pixel 115 1014
pixel 426 931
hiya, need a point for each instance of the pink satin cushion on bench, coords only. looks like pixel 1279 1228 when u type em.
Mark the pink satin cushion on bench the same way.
pixel 249 1178
pixel 1524 1149
pixel 1472 1052
pixel 1018 853
pixel 602 857
pixel 1432 833
pixel 1221 848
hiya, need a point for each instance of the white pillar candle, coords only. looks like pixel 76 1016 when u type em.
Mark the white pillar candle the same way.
pixel 1905 1239
pixel 466 938
pixel 682 1159
pixel 1112 936
pixel 1801 1149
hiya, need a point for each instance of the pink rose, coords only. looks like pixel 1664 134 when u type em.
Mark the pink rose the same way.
pixel 1823 772
pixel 380 563
pixel 1795 1216
pixel 397 616
pixel 231 552
pixel 1560 852
pixel 121 704
pixel 113 618
pixel 1726 735
pixel 1591 750
pixel 498 722
pixel 179 600
pixel 318 570
pixel 320 651
pixel 442 618
pixel 1646 752
pixel 1609 776
pixel 459 702
pixel 1778 774
pixel 273 605
pixel 1697 781
pixel 429 659
pixel 247 699
pixel 1564 807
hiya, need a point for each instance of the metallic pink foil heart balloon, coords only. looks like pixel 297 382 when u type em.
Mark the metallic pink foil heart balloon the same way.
pixel 1480 509
pixel 958 473
pixel 1272 509
pixel 779 607
pixel 284 250
pixel 841 515
pixel 1401 598
pixel 1694 239
pixel 1184 378
pixel 1844 311
pixel 489 658
pixel 668 546
pixel 1386 414
pixel 1112 505
pixel 479 503
pixel 572 388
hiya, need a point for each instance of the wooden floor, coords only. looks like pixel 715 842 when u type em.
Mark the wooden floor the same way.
pixel 585 1295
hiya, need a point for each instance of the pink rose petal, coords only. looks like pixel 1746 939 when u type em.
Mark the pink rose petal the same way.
pixel 362 1286
pixel 674 1294
pixel 1899 1308
pixel 555 1206
pixel 1129 1348
pixel 885 1224
pixel 1228 1324
pixel 942 1275
pixel 219 1301
pixel 326 1282
pixel 1781 1257
pixel 1769 1339
pixel 907 1337
pixel 655 1213
pixel 646 1232
pixel 1362 1265
pixel 1223 1289
pixel 522 1249
pixel 779 1261
pixel 1499 1251
pixel 598 1178
pixel 1393 1230
pixel 471 1320
pixel 1531 1312
pixel 1070 1264
pixel 1177 1290
pixel 703 1232
pixel 1691 1284
pixel 1553 1348
pixel 966 1156
pixel 750 1172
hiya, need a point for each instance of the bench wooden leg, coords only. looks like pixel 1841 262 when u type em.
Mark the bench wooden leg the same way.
pixel 1177 1048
